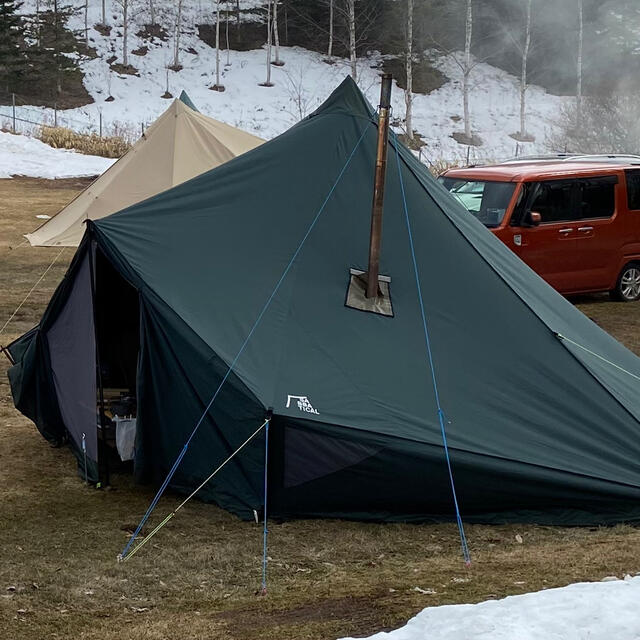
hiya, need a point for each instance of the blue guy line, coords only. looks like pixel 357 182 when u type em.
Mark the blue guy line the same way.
pixel 441 415
pixel 176 464
pixel 265 530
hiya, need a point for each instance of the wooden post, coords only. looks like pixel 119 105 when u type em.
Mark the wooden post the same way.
pixel 375 239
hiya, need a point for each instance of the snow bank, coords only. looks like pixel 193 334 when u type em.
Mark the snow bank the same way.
pixel 22 156
pixel 587 610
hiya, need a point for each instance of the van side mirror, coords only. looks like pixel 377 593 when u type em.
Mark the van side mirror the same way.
pixel 535 218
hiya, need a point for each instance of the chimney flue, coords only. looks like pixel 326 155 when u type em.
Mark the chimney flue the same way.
pixel 378 187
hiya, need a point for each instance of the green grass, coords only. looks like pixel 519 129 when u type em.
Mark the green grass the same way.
pixel 197 579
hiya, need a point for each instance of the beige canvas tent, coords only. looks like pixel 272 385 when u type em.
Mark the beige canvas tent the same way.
pixel 181 144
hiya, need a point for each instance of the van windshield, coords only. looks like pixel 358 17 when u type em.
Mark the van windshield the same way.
pixel 488 201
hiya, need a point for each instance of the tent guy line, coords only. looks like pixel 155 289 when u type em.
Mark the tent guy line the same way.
pixel 427 340
pixel 596 355
pixel 40 279
pixel 231 367
pixel 123 557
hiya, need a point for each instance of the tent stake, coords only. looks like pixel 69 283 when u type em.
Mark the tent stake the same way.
pixel 84 455
pixel 378 187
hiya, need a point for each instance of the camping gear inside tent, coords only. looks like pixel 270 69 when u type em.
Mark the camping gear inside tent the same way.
pixel 181 144
pixel 214 311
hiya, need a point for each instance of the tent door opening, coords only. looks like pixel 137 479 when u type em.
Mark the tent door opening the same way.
pixel 117 321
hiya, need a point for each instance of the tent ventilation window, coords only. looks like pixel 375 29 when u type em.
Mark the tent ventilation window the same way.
pixel 356 294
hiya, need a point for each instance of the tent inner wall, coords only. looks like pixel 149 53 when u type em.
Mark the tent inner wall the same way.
pixel 117 317
pixel 118 329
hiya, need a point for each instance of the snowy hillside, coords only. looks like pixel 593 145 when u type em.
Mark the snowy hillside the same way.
pixel 301 84
pixel 583 611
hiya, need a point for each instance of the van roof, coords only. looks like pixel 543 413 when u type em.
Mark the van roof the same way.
pixel 526 170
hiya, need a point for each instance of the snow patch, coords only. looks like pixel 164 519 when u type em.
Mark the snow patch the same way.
pixel 23 156
pixel 582 611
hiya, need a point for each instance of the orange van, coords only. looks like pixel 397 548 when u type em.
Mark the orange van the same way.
pixel 574 220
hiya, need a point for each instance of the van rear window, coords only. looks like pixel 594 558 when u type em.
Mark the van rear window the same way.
pixel 486 200
pixel 633 189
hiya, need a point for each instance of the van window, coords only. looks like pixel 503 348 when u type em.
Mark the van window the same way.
pixel 633 189
pixel 488 201
pixel 575 199
pixel 554 201
pixel 596 198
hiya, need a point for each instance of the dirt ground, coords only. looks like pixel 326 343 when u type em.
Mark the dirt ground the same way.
pixel 198 578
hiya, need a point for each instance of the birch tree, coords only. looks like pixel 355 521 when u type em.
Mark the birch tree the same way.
pixel 351 22
pixel 152 11
pixel 226 28
pixel 408 92
pixel 276 36
pixel 124 4
pixel 218 86
pixel 579 65
pixel 176 49
pixel 330 47
pixel 350 26
pixel 523 77
pixel 466 70
pixel 267 82
pixel 38 23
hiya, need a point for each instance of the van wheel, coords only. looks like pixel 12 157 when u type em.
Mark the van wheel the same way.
pixel 628 283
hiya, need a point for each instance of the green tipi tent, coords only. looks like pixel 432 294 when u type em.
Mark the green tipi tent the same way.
pixel 257 288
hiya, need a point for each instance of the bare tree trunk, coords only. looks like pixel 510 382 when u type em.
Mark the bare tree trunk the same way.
pixel 86 23
pixel 38 22
pixel 523 78
pixel 56 47
pixel 351 7
pixel 408 94
pixel 579 70
pixel 104 12
pixel 330 47
pixel 218 86
pixel 226 28
pixel 125 31
pixel 176 52
pixel 267 82
pixel 467 69
pixel 276 36
pixel 152 12
pixel 238 14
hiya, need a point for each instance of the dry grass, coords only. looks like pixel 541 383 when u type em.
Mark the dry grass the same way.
pixel 438 167
pixel 88 143
pixel 197 579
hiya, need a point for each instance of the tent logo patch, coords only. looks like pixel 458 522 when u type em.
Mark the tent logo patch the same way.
pixel 303 404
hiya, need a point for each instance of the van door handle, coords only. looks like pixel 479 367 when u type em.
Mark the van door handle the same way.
pixel 566 230
pixel 585 228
